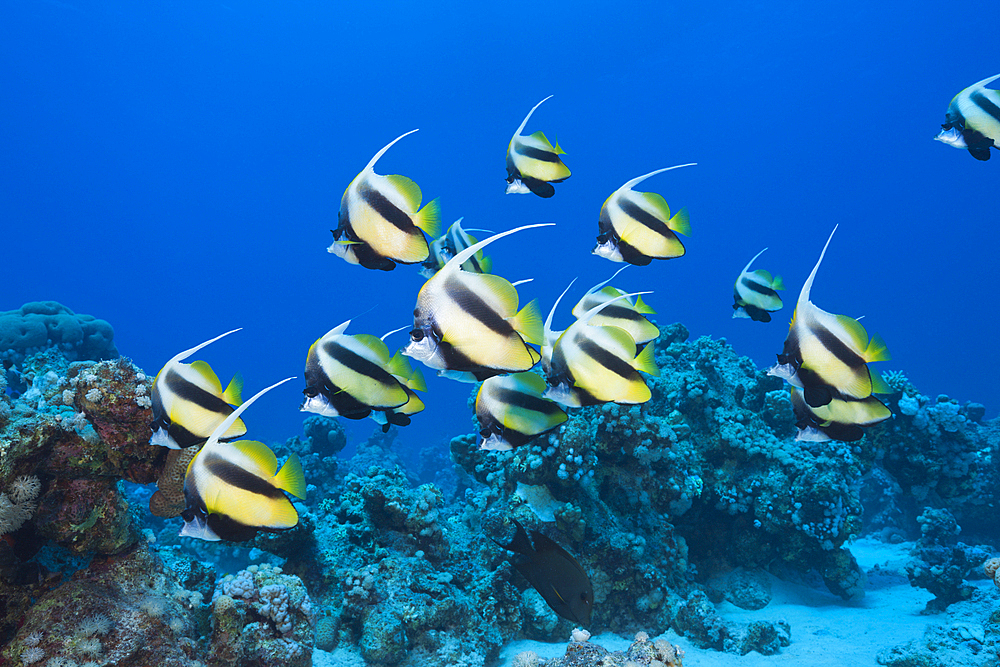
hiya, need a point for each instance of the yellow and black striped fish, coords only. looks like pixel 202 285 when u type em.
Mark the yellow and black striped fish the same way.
pixel 233 490
pixel 449 244
pixel 188 402
pixel 348 376
pixel 636 227
pixel 591 365
pixel 624 313
pixel 754 293
pixel 380 220
pixel 467 325
pixel 511 411
pixel 973 120
pixel 533 163
pixel 825 354
pixel 840 419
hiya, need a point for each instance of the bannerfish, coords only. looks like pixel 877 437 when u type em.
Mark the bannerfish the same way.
pixel 754 293
pixel 825 354
pixel 347 376
pixel 625 313
pixel 554 573
pixel 636 227
pixel 511 411
pixel 591 365
pixel 233 490
pixel 467 325
pixel 840 419
pixel 412 381
pixel 449 244
pixel 973 120
pixel 188 402
pixel 380 220
pixel 533 163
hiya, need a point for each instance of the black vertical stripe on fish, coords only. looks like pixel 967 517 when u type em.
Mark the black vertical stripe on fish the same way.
pixel 632 255
pixel 519 399
pixel 606 359
pixel 472 305
pixel 759 288
pixel 644 217
pixel 837 348
pixel 617 312
pixel 385 208
pixel 185 438
pixel 234 475
pixel 534 153
pixel 986 104
pixel 356 363
pixel 192 393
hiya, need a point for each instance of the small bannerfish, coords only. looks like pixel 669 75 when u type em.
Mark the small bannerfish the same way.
pixel 380 220
pixel 188 402
pixel 754 293
pixel 554 573
pixel 233 490
pixel 591 365
pixel 347 376
pixel 468 325
pixel 636 227
pixel 412 381
pixel 511 411
pixel 840 419
pixel 624 314
pixel 449 244
pixel 533 163
pixel 973 120
pixel 825 354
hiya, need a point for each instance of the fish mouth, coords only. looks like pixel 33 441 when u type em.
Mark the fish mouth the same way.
pixel 516 187
pixel 319 405
pixel 197 527
pixel 952 137
pixel 609 250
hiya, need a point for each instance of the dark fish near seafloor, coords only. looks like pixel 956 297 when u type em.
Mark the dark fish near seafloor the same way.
pixel 554 573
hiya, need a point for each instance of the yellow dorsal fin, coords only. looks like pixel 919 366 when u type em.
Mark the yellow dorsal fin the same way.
pixel 205 371
pixel 234 392
pixel 374 344
pixel 291 478
pixel 681 222
pixel 261 455
pixel 641 307
pixel 877 350
pixel 529 382
pixel 645 362
pixel 409 190
pixel 528 323
pixel 658 204
pixel 429 218
pixel 854 330
pixel 540 136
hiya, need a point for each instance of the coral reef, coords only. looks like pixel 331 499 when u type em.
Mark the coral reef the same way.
pixel 696 497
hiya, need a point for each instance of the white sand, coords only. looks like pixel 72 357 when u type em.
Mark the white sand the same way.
pixel 826 630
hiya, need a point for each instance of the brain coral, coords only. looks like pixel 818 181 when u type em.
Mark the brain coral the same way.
pixel 41 324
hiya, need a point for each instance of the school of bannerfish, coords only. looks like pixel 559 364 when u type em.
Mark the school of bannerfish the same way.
pixel 468 326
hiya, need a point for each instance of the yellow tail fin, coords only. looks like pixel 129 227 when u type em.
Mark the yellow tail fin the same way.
pixel 291 478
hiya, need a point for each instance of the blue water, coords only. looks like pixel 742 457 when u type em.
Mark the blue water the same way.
pixel 176 168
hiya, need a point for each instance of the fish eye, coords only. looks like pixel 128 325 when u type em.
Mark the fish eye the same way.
pixel 417 335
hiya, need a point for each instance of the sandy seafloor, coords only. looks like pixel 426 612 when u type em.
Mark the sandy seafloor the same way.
pixel 826 630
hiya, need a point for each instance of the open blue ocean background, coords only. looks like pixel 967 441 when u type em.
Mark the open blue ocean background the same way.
pixel 175 169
